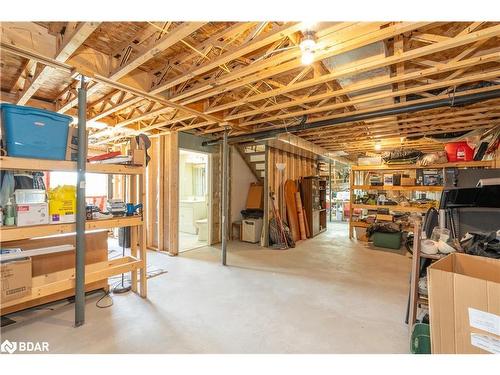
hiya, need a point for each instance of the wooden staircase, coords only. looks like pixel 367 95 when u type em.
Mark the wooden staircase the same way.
pixel 254 156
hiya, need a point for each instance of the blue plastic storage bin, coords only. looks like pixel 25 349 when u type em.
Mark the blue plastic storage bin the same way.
pixel 34 133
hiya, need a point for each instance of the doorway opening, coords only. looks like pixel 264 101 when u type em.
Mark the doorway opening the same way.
pixel 194 200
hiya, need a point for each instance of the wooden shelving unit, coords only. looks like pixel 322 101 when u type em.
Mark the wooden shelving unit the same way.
pixel 418 300
pixel 390 207
pixel 401 167
pixel 11 163
pixel 322 202
pixel 409 189
pixel 13 233
pixel 56 282
pixel 398 188
pixel 313 192
pixel 52 283
pixel 359 224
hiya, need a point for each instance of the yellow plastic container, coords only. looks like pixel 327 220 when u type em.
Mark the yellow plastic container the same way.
pixel 62 204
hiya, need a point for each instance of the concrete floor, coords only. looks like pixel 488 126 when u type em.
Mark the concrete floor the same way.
pixel 328 295
pixel 189 241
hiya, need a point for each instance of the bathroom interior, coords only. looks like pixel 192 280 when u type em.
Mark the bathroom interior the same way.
pixel 193 200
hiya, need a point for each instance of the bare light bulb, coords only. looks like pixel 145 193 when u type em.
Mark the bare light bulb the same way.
pixel 378 146
pixel 307 46
pixel 307 58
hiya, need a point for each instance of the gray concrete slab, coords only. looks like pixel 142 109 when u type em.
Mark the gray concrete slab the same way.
pixel 328 295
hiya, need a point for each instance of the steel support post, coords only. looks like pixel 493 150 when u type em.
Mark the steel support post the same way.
pixel 80 206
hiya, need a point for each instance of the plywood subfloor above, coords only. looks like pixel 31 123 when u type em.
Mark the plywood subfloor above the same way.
pixel 200 77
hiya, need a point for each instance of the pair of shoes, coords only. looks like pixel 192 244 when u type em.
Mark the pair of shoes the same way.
pixel 422 285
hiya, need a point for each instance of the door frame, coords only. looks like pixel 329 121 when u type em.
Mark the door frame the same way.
pixel 209 176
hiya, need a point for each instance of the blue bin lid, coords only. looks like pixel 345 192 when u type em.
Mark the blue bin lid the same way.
pixel 40 110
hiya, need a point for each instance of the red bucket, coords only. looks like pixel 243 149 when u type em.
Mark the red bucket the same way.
pixel 459 151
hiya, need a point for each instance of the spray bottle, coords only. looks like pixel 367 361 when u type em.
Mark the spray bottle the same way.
pixel 9 213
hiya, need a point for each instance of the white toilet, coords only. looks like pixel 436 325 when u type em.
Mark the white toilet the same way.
pixel 202 226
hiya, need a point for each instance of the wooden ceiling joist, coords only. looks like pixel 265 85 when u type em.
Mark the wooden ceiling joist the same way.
pixel 74 36
pixel 373 97
pixel 25 77
pixel 403 131
pixel 159 77
pixel 353 39
pixel 370 109
pixel 371 64
pixel 150 51
pixel 374 83
pixel 250 46
pixel 273 57
pixel 456 116
pixel 144 55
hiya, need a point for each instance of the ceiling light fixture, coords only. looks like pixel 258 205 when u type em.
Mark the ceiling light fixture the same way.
pixel 307 46
pixel 378 146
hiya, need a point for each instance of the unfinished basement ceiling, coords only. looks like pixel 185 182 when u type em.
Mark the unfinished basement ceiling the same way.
pixel 374 50
pixel 200 77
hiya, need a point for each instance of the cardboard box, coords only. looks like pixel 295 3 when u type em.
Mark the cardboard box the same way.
pixel 429 177
pixel 16 279
pixel 384 217
pixel 32 214
pixel 96 251
pixel 464 303
pixel 255 197
pixel 72 144
pixel 138 156
pixel 392 179
pixel 407 181
pixel 388 179
pixel 361 234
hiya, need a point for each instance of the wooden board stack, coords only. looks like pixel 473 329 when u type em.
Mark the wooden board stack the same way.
pixel 291 208
pixel 300 216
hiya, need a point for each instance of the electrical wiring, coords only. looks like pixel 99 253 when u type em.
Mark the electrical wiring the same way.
pixel 149 274
pixel 106 294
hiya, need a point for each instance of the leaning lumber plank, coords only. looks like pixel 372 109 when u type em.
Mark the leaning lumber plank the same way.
pixel 291 208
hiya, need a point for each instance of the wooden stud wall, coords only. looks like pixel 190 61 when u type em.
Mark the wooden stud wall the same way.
pixel 216 196
pixel 170 204
pixel 295 167
pixel 162 191
pixel 153 194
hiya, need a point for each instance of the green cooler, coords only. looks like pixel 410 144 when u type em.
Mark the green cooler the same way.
pixel 387 240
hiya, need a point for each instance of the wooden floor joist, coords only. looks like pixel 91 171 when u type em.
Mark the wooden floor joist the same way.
pixel 163 77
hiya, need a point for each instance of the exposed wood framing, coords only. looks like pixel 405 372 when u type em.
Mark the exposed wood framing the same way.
pixel 148 52
pixel 170 175
pixel 165 77
pixel 72 39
